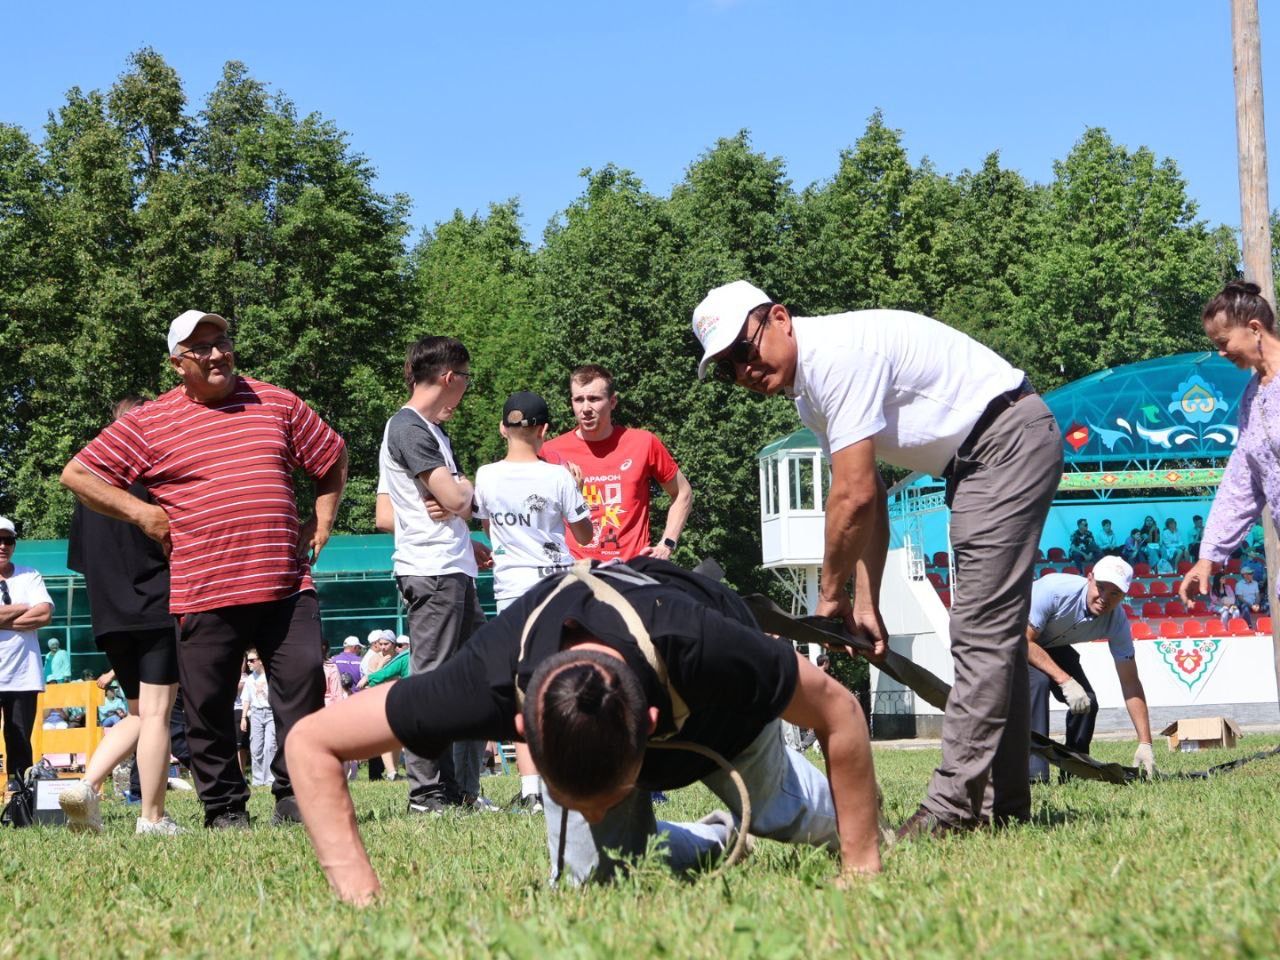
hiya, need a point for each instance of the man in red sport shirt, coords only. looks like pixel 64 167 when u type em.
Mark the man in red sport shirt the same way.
pixel 617 465
pixel 217 454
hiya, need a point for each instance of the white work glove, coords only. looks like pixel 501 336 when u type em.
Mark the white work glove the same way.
pixel 1145 759
pixel 1077 700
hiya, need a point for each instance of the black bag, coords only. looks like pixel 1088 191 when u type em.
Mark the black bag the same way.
pixel 20 810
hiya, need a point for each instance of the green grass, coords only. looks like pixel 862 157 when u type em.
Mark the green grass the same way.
pixel 1151 870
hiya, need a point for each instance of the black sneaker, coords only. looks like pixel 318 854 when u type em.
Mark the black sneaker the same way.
pixel 229 820
pixel 430 805
pixel 286 812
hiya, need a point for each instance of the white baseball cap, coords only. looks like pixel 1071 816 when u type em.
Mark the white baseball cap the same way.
pixel 1113 570
pixel 376 635
pixel 185 324
pixel 352 642
pixel 721 314
pixel 402 641
pixel 7 525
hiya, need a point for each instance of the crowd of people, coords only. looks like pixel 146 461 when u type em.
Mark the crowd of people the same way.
pixel 603 651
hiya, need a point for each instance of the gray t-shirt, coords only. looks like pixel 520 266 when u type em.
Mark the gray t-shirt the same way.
pixel 1059 611
pixel 413 446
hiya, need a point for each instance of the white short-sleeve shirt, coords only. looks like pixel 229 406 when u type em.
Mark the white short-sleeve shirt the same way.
pixel 21 665
pixel 913 384
pixel 527 506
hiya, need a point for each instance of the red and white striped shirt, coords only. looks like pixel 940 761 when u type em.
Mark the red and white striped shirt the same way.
pixel 223 473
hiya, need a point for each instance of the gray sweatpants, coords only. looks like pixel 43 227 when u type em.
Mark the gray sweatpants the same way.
pixel 1006 482
pixel 443 613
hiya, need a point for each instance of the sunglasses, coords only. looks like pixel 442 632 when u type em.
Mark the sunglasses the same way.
pixel 8 541
pixel 740 351
pixel 4 593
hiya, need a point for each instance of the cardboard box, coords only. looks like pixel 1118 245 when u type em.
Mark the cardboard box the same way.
pixel 1201 733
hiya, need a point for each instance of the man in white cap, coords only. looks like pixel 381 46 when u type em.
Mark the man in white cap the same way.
pixel 1065 610
pixel 348 661
pixel 217 454
pixel 898 386
pixel 25 607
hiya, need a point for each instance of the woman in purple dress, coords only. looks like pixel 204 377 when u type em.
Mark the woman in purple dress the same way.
pixel 1241 325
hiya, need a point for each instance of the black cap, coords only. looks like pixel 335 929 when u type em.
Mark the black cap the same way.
pixel 525 409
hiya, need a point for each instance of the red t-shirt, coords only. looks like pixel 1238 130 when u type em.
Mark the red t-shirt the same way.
pixel 223 472
pixel 616 473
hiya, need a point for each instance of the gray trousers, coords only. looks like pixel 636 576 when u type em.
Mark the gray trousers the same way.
pixel 444 612
pixel 262 744
pixel 1004 483
pixel 790 801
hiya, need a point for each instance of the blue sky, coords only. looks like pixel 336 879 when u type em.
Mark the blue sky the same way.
pixel 461 104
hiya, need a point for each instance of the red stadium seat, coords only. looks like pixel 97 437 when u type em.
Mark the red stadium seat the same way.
pixel 945 597
pixel 1039 555
pixel 1074 571
pixel 1046 571
pixel 1193 628
pixel 1264 624
pixel 1230 582
pixel 1160 589
pixel 1128 611
pixel 1174 608
pixel 1171 630
pixel 1233 565
pixel 936 580
pixel 1142 569
pixel 940 559
pixel 1057 555
pixel 1199 608
pixel 1088 569
pixel 1137 589
pixel 1184 567
pixel 1141 631
pixel 1152 610
pixel 1239 628
pixel 1216 628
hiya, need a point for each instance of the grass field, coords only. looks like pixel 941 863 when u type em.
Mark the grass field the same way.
pixel 1151 870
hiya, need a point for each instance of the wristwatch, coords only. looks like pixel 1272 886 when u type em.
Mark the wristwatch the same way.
pixel 668 543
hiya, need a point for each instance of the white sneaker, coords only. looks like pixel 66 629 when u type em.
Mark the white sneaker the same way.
pixel 80 803
pixel 164 826
pixel 177 783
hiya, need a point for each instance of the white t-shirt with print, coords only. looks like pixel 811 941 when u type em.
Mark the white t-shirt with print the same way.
pixel 21 666
pixel 527 505
pixel 913 384
pixel 413 445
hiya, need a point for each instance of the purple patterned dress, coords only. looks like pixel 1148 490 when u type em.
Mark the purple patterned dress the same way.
pixel 1252 477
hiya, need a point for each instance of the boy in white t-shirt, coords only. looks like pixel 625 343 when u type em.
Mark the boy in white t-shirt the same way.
pixel 525 504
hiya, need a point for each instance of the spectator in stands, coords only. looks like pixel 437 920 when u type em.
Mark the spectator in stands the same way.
pixel 259 721
pixel 1066 610
pixel 1134 549
pixel 1249 597
pixel 114 707
pixel 25 607
pixel 1084 549
pixel 1222 599
pixel 1194 538
pixel 1241 325
pixel 381 649
pixel 1256 561
pixel 348 661
pixel 57 663
pixel 1151 540
pixel 1108 543
pixel 1172 550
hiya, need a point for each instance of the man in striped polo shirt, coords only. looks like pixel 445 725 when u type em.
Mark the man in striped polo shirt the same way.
pixel 217 454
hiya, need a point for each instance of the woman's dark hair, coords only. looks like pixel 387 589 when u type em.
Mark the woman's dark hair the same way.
pixel 1240 302
pixel 585 718
pixel 430 357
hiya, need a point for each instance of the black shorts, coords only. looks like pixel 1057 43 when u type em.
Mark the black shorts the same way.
pixel 145 656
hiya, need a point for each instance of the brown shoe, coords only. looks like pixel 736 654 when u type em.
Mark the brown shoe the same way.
pixel 922 823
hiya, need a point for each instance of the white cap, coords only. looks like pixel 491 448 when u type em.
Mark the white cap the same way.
pixel 389 636
pixel 352 642
pixel 402 641
pixel 721 314
pixel 7 524
pixel 185 324
pixel 1113 570
pixel 375 636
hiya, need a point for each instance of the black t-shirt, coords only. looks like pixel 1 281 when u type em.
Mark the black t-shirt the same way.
pixel 733 678
pixel 126 572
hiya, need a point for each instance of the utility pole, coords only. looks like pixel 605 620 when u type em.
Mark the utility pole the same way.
pixel 1255 211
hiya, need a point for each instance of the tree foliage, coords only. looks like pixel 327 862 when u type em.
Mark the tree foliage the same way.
pixel 132 208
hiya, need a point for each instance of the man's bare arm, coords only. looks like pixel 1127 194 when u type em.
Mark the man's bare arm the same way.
pixel 1135 698
pixel 454 494
pixel 329 486
pixel 101 496
pixel 34 617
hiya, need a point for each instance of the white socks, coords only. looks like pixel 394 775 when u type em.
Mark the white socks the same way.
pixel 530 785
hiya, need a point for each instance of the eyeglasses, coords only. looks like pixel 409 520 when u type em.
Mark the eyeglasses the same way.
pixel 203 351
pixel 740 351
pixel 466 375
